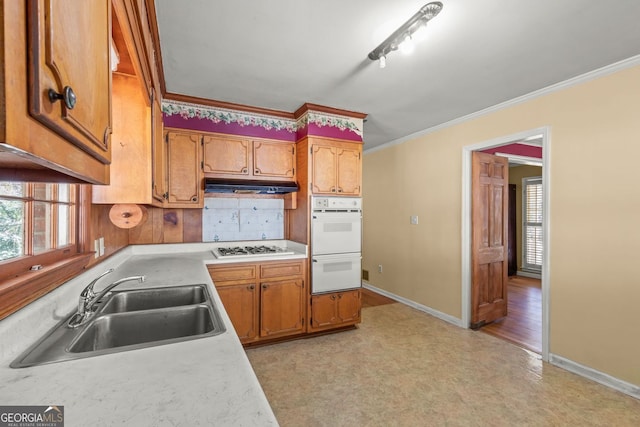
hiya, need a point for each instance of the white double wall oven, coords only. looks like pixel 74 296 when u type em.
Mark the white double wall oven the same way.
pixel 336 243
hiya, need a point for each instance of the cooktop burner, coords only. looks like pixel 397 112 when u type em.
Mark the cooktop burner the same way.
pixel 250 250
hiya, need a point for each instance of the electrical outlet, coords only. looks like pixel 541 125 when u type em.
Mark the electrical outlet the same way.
pixel 379 268
pixel 101 246
pixel 96 248
pixel 414 219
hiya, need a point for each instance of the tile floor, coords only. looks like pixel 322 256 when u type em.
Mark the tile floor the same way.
pixel 403 367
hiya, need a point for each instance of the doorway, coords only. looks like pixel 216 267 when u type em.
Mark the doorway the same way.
pixel 536 137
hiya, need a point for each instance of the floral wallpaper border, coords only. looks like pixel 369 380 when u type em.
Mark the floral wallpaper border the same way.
pixel 219 115
pixel 191 116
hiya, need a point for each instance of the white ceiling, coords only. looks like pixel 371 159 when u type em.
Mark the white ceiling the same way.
pixel 280 54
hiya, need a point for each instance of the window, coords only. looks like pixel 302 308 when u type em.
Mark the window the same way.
pixel 40 239
pixel 35 218
pixel 532 223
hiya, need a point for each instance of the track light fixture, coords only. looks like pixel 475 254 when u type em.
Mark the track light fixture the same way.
pixel 403 37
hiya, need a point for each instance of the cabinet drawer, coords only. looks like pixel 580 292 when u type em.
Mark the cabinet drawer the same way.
pixel 233 274
pixel 281 270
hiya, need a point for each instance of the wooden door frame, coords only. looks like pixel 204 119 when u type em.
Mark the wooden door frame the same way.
pixel 546 222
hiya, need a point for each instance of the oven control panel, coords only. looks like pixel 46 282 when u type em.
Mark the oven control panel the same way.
pixel 331 203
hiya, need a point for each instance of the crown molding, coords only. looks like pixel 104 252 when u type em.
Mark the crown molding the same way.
pixel 591 75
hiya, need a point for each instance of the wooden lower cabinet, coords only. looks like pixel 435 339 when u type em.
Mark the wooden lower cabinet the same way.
pixel 241 304
pixel 281 308
pixel 263 300
pixel 335 310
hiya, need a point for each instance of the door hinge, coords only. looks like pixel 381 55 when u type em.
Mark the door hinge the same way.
pixel 310 150
pixel 202 165
pixel 303 284
pixel 294 171
pixel 293 150
pixel 310 186
pixel 359 155
pixel 166 138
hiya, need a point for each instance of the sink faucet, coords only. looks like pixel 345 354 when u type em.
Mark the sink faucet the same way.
pixel 88 298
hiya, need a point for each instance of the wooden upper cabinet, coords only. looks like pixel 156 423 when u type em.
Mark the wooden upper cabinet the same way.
pixel 323 169
pixel 274 159
pixel 132 144
pixel 184 186
pixel 68 67
pixel 236 157
pixel 158 156
pixel 336 168
pixel 226 156
pixel 349 170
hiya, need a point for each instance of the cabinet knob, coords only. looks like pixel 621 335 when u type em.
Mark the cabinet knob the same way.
pixel 194 199
pixel 244 170
pixel 256 172
pixel 339 190
pixel 265 286
pixel 251 287
pixel 333 297
pixel 333 189
pixel 67 95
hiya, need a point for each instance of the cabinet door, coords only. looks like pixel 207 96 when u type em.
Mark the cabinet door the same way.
pixel 241 304
pixel 158 163
pixel 323 311
pixel 274 160
pixel 348 307
pixel 183 170
pixel 281 307
pixel 349 167
pixel 227 156
pixel 323 169
pixel 69 47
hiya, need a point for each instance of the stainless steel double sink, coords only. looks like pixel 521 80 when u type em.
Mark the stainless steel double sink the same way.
pixel 129 320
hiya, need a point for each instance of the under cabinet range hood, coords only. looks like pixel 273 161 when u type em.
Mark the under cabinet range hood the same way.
pixel 239 186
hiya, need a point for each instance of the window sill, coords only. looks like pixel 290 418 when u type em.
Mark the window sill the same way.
pixel 17 292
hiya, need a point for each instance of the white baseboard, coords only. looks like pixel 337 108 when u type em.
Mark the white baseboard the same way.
pixel 529 274
pixel 435 313
pixel 594 375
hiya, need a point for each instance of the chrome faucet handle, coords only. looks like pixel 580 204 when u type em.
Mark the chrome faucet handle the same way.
pixel 88 294
pixel 87 302
pixel 109 287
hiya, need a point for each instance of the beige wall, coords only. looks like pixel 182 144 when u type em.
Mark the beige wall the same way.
pixel 516 173
pixel 595 148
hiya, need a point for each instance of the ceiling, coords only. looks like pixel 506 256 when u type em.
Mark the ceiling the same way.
pixel 280 54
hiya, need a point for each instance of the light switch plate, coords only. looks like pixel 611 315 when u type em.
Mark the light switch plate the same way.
pixel 414 219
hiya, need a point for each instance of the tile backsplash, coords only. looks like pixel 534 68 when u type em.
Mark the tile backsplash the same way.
pixel 229 219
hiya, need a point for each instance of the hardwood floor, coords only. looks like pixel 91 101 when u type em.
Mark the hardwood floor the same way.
pixel 372 299
pixel 523 324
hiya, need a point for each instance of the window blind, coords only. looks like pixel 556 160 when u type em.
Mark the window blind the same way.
pixel 532 223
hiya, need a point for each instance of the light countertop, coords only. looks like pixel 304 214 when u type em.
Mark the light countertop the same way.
pixel 205 381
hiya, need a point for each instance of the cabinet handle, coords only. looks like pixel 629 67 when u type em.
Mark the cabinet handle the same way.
pixel 67 95
pixel 251 287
